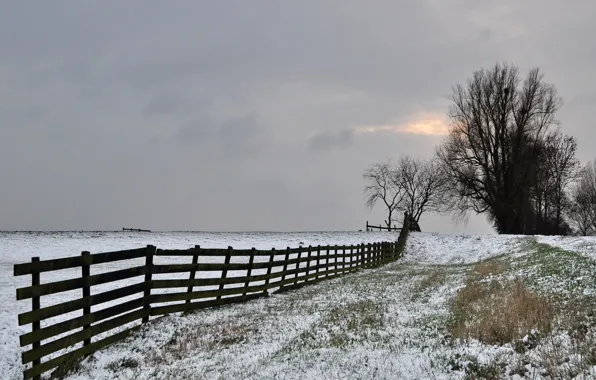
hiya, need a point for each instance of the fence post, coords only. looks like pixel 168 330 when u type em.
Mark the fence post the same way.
pixel 308 263
pixel 378 255
pixel 86 269
pixel 318 261
pixel 388 247
pixel 148 283
pixel 327 268
pixel 343 260
pixel 224 272
pixel 374 254
pixel 285 268
pixel 35 306
pixel 351 257
pixel 389 251
pixel 269 267
pixel 248 272
pixel 298 264
pixel 195 261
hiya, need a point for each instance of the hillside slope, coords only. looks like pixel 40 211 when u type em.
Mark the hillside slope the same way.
pixel 395 322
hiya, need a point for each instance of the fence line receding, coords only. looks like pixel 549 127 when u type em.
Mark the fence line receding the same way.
pixel 203 285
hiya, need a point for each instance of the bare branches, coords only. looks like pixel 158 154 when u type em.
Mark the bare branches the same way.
pixel 424 186
pixel 491 152
pixel 583 201
pixel 412 186
pixel 381 185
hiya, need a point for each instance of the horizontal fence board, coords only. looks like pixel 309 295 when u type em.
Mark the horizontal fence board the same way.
pixel 183 296
pixel 76 354
pixel 223 252
pixel 206 267
pixel 74 323
pixel 69 306
pixel 162 284
pixel 77 261
pixel 80 336
pixel 169 309
pixel 77 283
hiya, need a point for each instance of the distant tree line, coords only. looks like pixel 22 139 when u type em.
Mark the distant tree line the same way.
pixel 504 156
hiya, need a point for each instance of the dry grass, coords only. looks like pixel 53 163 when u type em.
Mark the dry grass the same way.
pixel 205 338
pixel 499 312
pixel 488 268
pixel 433 279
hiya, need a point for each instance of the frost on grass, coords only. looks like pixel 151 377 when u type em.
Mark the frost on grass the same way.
pixel 537 317
pixel 393 322
pixel 19 247
pixel 359 326
pixel 513 309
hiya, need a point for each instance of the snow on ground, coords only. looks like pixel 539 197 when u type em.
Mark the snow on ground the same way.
pixel 586 245
pixel 442 249
pixel 19 247
pixel 360 326
pixel 378 323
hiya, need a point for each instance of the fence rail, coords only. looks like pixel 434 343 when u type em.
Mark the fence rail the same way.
pixel 263 271
pixel 370 227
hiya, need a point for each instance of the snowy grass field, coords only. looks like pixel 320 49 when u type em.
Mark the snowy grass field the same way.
pixel 399 321
pixel 18 248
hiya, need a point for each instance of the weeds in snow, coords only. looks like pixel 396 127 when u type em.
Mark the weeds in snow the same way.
pixel 206 337
pixel 499 312
pixel 489 268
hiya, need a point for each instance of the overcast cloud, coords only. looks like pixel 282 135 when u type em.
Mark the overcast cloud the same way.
pixel 252 115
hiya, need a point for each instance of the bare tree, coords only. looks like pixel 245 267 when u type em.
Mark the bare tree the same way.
pixel 582 212
pixel 491 152
pixel 557 169
pixel 381 185
pixel 424 184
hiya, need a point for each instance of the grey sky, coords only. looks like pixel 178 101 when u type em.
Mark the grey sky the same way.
pixel 252 115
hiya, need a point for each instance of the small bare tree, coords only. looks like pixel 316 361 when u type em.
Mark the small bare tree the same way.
pixel 557 168
pixel 583 201
pixel 381 185
pixel 424 183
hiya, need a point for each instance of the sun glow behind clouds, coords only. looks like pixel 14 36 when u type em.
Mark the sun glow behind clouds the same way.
pixel 429 125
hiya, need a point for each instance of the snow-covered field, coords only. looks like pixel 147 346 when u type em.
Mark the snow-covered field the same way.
pixel 384 323
pixel 585 245
pixel 19 247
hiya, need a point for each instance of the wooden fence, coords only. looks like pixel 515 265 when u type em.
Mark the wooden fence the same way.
pixel 370 227
pixel 135 230
pixel 263 271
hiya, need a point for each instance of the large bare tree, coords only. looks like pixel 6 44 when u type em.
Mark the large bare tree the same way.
pixel 491 152
pixel 381 185
pixel 583 201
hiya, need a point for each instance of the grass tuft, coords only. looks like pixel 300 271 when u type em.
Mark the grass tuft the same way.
pixel 499 312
